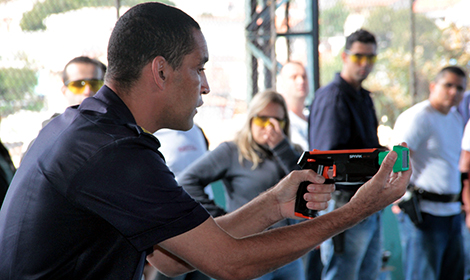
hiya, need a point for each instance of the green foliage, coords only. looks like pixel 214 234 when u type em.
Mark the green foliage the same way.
pixel 331 20
pixel 390 81
pixel 33 20
pixel 329 67
pixel 392 29
pixel 434 49
pixel 16 90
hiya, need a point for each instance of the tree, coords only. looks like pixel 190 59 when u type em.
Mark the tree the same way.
pixel 435 48
pixel 17 90
pixel 33 20
pixel 17 84
pixel 331 20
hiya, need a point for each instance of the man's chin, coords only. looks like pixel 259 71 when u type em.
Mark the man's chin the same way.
pixel 188 126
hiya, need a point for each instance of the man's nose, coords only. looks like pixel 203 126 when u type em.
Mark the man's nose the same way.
pixel 88 91
pixel 300 80
pixel 205 89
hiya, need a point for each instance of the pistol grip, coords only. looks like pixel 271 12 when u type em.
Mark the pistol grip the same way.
pixel 301 209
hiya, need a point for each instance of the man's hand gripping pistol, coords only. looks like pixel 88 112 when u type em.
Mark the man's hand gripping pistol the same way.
pixel 345 167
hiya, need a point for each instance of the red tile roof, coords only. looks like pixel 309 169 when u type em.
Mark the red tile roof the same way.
pixel 420 6
pixel 423 6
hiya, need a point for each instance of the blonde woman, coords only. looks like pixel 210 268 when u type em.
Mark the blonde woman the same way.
pixel 259 156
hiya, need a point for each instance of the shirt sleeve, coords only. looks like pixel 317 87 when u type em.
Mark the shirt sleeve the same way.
pixel 286 156
pixel 131 187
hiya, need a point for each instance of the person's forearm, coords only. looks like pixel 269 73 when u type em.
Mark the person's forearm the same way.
pixel 283 245
pixel 162 258
pixel 296 240
pixel 257 254
pixel 466 196
pixel 219 255
pixel 464 166
pixel 266 209
pixel 253 217
pixel 286 156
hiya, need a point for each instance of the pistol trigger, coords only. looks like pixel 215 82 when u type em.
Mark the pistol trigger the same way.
pixel 325 172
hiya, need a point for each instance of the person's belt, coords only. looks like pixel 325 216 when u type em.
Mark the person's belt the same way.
pixel 344 193
pixel 351 188
pixel 435 197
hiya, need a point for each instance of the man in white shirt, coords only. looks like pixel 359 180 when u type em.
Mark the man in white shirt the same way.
pixel 293 85
pixel 433 130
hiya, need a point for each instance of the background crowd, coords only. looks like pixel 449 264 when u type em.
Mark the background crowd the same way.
pixel 279 126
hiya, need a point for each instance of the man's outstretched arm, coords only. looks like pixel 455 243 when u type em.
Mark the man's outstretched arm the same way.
pixel 220 252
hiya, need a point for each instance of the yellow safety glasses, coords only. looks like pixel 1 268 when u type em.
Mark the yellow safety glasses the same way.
pixel 78 87
pixel 361 58
pixel 264 121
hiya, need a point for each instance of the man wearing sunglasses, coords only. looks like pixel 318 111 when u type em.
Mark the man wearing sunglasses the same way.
pixel 342 116
pixel 94 198
pixel 432 246
pixel 82 77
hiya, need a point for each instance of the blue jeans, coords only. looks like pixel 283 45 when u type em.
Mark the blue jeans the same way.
pixel 362 256
pixel 466 243
pixel 313 265
pixel 293 270
pixel 434 250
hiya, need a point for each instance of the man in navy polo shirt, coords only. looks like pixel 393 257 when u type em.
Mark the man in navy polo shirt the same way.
pixel 94 198
pixel 342 117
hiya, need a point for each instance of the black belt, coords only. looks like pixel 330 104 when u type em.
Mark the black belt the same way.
pixel 435 197
pixel 344 193
pixel 348 187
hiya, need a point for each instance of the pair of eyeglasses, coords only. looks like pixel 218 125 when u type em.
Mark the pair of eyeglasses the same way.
pixel 264 121
pixel 78 87
pixel 459 88
pixel 361 58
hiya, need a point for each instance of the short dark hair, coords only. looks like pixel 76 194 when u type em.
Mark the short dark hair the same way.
pixel 362 36
pixel 83 59
pixel 144 32
pixel 452 69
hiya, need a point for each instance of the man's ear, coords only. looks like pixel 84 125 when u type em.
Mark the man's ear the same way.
pixel 343 57
pixel 63 89
pixel 159 70
pixel 432 85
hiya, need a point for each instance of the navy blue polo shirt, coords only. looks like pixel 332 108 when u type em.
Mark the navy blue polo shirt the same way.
pixel 342 118
pixel 91 198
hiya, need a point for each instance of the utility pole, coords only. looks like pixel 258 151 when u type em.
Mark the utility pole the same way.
pixel 413 82
pixel 118 6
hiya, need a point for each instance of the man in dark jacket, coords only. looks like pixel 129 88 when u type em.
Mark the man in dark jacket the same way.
pixel 342 116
